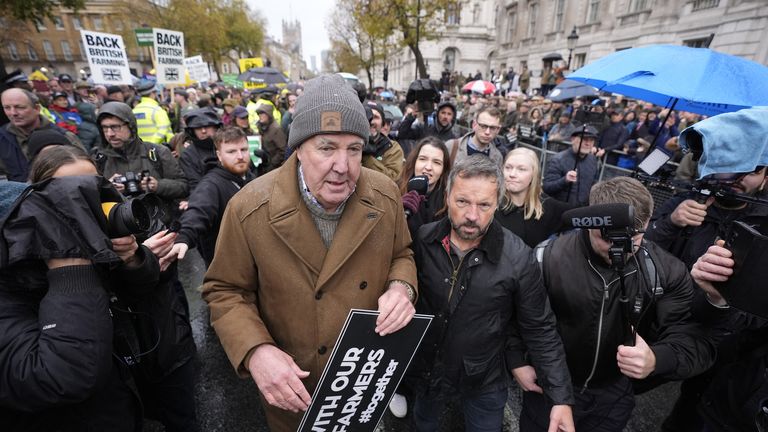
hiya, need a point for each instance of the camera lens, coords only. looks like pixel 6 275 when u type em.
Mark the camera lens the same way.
pixel 130 217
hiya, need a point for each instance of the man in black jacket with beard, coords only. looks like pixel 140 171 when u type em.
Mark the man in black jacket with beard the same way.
pixel 200 223
pixel 201 124
pixel 480 282
pixel 620 319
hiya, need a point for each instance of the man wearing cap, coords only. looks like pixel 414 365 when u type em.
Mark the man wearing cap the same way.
pixel 114 94
pixel 240 119
pixel 199 151
pixel 305 244
pixel 381 153
pixel 151 119
pixel 572 172
pixel 263 96
pixel 23 109
pixel 68 87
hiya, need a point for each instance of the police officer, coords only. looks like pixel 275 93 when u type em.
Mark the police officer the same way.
pixel 152 121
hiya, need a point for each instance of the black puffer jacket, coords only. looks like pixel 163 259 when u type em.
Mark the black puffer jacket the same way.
pixel 496 288
pixel 584 293
pixel 201 221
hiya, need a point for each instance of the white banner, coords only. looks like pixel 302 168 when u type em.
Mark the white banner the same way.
pixel 169 56
pixel 197 68
pixel 106 57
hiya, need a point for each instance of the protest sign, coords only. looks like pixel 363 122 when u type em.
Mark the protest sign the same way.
pixel 248 63
pixel 197 68
pixel 254 143
pixel 107 58
pixel 169 56
pixel 362 374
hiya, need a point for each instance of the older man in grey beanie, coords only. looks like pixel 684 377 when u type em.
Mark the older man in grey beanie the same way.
pixel 301 246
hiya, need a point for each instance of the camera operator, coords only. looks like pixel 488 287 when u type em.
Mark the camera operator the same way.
pixel 623 311
pixel 58 371
pixel 146 307
pixel 126 157
pixel 417 125
pixel 688 226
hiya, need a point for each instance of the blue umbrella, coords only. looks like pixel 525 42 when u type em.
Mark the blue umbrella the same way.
pixel 570 89
pixel 697 80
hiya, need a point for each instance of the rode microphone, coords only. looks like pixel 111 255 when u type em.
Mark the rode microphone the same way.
pixel 601 216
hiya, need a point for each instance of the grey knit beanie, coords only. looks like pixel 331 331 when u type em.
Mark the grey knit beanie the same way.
pixel 327 106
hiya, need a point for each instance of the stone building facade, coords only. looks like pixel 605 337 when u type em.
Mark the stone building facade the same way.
pixel 498 34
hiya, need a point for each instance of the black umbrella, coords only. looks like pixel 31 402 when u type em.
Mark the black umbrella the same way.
pixel 570 89
pixel 263 75
pixel 552 56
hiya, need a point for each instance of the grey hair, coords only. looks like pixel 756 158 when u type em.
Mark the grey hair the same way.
pixel 31 97
pixel 477 165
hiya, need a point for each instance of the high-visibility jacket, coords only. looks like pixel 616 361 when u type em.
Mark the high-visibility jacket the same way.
pixel 152 122
pixel 253 116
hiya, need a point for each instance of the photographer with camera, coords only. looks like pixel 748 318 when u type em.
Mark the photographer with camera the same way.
pixel 417 125
pixel 623 310
pixel 729 192
pixel 133 166
pixel 62 366
pixel 151 335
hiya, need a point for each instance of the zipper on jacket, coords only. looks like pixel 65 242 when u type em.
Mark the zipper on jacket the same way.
pixel 454 275
pixel 606 285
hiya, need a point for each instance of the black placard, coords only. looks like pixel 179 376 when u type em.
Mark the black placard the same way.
pixel 362 374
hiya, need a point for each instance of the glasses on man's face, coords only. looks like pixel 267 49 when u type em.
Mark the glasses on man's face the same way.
pixel 489 128
pixel 115 128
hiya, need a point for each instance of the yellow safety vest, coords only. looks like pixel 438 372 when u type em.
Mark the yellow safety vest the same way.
pixel 152 122
pixel 47 114
pixel 253 116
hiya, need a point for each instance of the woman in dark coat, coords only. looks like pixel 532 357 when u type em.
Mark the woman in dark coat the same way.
pixel 430 158
pixel 523 211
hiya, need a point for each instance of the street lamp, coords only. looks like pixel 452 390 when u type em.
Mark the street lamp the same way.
pixel 571 40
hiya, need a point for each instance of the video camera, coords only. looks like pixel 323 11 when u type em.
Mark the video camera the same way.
pixel 589 115
pixel 425 92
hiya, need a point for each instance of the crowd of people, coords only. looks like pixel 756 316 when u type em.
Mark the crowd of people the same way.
pixel 323 216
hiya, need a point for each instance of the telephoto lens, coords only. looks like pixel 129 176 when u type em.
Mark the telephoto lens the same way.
pixel 126 218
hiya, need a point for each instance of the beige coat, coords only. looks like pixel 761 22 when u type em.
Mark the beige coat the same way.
pixel 273 281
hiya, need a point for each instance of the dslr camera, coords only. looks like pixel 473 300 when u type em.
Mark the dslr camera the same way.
pixel 132 182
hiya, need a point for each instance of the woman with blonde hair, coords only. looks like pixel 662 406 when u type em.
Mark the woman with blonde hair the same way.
pixel 523 211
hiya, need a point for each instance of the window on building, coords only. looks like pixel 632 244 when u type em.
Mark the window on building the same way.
pixel 533 15
pixel 638 5
pixel 511 25
pixel 31 53
pixel 496 17
pixel 58 22
pixel 593 13
pixel 39 25
pixel 453 14
pixel 696 43
pixel 705 4
pixel 475 13
pixel 225 68
pixel 82 50
pixel 66 50
pixel 77 23
pixel 579 60
pixel 559 12
pixel 13 52
pixel 48 48
pixel 118 24
pixel 98 23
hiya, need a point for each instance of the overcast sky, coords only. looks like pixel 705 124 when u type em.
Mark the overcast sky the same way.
pixel 313 15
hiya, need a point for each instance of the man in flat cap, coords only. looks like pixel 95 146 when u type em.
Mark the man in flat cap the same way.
pixel 301 246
